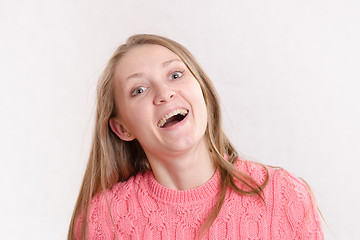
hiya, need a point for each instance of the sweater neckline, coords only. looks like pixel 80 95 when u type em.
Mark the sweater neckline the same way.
pixel 206 191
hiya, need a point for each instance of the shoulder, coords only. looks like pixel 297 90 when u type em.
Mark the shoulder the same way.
pixel 289 201
pixel 294 208
pixel 279 180
pixel 121 191
pixel 291 193
pixel 290 186
pixel 97 224
pixel 284 187
pixel 258 172
pixel 101 210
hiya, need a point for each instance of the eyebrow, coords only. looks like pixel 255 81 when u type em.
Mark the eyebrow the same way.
pixel 164 64
pixel 170 61
pixel 135 75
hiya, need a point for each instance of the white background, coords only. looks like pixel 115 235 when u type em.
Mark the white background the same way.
pixel 287 73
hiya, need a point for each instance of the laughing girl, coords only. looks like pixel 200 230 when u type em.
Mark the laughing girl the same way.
pixel 161 167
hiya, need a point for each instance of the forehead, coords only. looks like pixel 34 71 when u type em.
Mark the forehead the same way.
pixel 143 57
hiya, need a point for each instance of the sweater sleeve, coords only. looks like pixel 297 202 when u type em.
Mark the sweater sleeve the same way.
pixel 295 214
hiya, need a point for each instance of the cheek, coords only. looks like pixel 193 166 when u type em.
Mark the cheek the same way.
pixel 138 117
pixel 198 99
pixel 199 96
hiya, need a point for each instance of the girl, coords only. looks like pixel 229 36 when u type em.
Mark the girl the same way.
pixel 161 167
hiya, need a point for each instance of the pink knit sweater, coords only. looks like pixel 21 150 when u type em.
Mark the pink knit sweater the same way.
pixel 143 209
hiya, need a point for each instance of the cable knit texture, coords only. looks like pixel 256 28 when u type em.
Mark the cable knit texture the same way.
pixel 141 208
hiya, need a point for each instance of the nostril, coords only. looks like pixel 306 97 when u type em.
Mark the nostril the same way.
pixel 163 97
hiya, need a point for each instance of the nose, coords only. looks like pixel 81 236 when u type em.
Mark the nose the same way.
pixel 163 95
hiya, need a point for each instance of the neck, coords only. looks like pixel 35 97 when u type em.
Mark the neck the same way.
pixel 183 171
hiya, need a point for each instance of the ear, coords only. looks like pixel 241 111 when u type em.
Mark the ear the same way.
pixel 120 130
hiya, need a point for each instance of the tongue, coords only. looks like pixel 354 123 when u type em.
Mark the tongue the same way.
pixel 173 120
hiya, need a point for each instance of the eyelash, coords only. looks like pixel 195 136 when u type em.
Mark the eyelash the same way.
pixel 134 92
pixel 177 73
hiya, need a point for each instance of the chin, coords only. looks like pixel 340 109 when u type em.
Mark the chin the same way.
pixel 186 144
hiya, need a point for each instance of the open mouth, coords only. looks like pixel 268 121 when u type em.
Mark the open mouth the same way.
pixel 172 118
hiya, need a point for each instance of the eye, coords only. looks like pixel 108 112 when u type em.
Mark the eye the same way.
pixel 138 91
pixel 176 75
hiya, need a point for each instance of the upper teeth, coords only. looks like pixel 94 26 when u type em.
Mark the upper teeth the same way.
pixel 163 120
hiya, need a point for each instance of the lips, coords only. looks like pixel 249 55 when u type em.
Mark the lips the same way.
pixel 172 118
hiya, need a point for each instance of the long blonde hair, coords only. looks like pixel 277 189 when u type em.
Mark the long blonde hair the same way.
pixel 112 160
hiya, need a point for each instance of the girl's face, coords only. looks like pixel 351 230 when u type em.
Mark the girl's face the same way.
pixel 159 101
